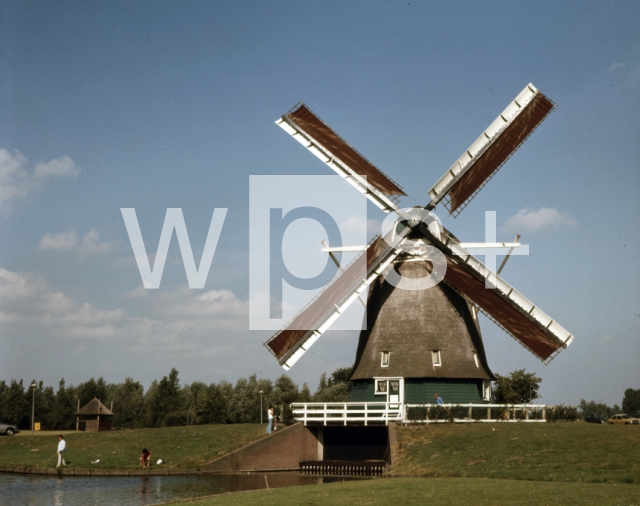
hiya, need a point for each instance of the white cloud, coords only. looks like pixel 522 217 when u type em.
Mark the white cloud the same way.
pixel 615 65
pixel 139 293
pixel 16 181
pixel 175 320
pixel 59 242
pixel 529 220
pixel 59 167
pixel 69 241
pixel 91 244
pixel 29 300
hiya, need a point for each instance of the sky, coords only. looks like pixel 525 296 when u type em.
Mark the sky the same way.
pixel 157 105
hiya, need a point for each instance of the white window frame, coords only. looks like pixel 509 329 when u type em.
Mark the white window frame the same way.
pixel 385 355
pixel 436 358
pixel 387 393
pixel 486 390
pixel 386 386
pixel 475 359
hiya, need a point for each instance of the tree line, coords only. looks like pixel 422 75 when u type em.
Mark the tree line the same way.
pixel 166 402
pixel 630 405
pixel 521 387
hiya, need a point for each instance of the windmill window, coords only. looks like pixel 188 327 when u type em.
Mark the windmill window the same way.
pixel 486 390
pixel 381 386
pixel 475 359
pixel 435 356
pixel 385 359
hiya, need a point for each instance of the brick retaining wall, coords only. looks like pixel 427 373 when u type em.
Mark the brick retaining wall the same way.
pixel 282 450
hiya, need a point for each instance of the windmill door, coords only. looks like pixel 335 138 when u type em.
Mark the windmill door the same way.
pixel 390 390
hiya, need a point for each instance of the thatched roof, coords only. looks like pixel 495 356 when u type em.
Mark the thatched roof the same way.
pixel 94 407
pixel 412 324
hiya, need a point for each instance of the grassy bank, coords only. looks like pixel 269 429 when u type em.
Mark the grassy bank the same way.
pixel 181 447
pixel 421 491
pixel 578 452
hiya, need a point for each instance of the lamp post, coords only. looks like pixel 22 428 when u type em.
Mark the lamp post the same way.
pixel 260 392
pixel 34 385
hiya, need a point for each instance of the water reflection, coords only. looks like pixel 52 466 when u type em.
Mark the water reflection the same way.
pixel 34 490
pixel 58 495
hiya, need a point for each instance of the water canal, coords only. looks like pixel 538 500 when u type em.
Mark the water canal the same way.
pixel 37 490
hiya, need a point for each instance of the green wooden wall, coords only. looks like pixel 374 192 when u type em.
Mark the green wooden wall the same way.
pixel 422 390
pixel 364 392
pixel 419 391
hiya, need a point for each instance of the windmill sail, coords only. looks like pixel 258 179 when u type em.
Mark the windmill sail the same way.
pixel 290 343
pixel 518 316
pixel 491 150
pixel 508 308
pixel 308 129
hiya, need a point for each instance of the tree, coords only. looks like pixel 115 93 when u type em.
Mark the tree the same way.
pixel 219 406
pixel 340 375
pixel 62 411
pixel 216 406
pixel 14 405
pixel 164 402
pixel 322 385
pixel 285 393
pixel 337 388
pixel 305 394
pixel 169 402
pixel 598 408
pixel 518 388
pixel 128 404
pixel 151 413
pixel 245 399
pixel 99 389
pixel 631 402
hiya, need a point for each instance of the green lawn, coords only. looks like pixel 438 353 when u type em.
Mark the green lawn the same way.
pixel 421 491
pixel 578 452
pixel 181 447
pixel 514 463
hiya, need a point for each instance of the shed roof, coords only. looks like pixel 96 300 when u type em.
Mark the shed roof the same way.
pixel 94 407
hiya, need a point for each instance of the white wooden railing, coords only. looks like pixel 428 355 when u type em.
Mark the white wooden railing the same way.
pixel 346 413
pixel 377 413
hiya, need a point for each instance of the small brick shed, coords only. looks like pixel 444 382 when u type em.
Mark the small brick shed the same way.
pixel 94 416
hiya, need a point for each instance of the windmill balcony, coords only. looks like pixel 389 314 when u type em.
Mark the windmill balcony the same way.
pixel 381 413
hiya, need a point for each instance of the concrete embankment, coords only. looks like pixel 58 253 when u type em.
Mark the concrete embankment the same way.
pixel 73 471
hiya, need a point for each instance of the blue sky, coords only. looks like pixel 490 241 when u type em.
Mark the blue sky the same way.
pixel 172 104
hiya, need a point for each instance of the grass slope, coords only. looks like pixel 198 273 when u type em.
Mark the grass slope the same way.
pixel 421 491
pixel 578 452
pixel 181 447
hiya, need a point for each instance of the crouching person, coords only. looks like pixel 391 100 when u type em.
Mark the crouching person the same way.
pixel 145 458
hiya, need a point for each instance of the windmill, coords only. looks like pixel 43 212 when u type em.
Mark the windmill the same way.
pixel 419 342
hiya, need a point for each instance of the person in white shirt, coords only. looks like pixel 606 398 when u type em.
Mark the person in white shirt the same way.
pixel 270 421
pixel 61 447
